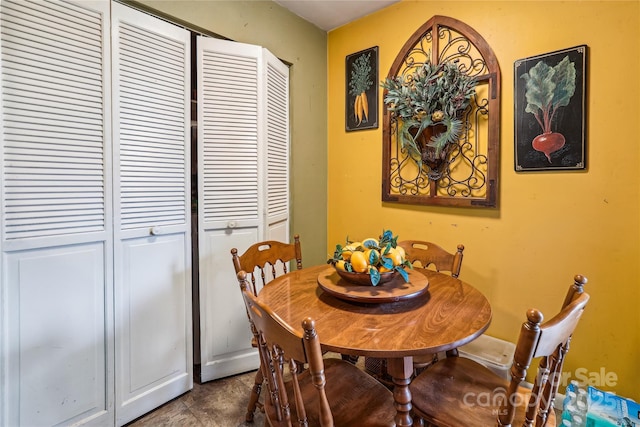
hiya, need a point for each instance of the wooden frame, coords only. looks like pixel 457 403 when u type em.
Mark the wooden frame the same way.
pixel 472 170
pixel 361 90
pixel 551 136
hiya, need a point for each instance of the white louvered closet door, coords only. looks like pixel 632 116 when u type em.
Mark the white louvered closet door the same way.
pixel 276 132
pixel 151 99
pixel 56 322
pixel 234 125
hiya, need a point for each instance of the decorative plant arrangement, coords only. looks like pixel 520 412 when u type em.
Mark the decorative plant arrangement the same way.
pixel 379 259
pixel 434 95
pixel 548 89
pixel 359 83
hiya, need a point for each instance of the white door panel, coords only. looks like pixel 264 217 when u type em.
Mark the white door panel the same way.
pixel 70 200
pixel 230 198
pixel 278 231
pixel 56 318
pixel 276 133
pixel 59 359
pixel 152 203
pixel 243 155
pixel 152 302
pixel 229 194
pixel 225 333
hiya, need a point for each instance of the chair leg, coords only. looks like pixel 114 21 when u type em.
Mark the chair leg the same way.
pixel 255 395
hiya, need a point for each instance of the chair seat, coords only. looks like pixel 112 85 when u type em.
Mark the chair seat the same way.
pixel 459 392
pixel 355 398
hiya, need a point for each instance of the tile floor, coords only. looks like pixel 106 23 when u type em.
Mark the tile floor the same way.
pixel 219 403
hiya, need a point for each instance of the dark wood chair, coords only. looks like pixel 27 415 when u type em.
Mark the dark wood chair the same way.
pixel 262 262
pixel 458 392
pixel 423 254
pixel 330 392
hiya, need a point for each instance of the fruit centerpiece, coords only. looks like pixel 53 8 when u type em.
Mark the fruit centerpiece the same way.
pixel 372 261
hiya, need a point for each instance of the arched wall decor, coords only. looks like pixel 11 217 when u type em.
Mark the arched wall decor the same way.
pixel 470 176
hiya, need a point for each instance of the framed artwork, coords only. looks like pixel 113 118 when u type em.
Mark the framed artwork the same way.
pixel 361 96
pixel 550 111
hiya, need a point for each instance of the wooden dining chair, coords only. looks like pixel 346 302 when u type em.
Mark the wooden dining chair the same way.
pixel 262 262
pixel 426 254
pixel 459 392
pixel 331 392
pixel 423 254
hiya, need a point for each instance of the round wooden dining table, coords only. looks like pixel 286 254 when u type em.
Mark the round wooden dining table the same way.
pixel 442 314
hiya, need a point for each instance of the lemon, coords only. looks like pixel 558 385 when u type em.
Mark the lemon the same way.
pixel 395 256
pixel 370 243
pixel 354 245
pixel 349 249
pixel 383 269
pixel 340 265
pixel 358 262
pixel 402 252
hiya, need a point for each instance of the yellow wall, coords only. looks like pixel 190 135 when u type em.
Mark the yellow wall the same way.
pixel 304 46
pixel 549 226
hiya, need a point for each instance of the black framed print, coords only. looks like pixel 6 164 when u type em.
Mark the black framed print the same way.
pixel 361 95
pixel 550 110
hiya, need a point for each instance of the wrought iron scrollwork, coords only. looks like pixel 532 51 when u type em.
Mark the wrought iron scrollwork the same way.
pixel 470 176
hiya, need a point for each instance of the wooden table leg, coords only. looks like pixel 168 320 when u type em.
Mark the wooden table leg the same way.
pixel 401 370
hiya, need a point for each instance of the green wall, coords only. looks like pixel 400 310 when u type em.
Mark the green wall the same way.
pixel 304 46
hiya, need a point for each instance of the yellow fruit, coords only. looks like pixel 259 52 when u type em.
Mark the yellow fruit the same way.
pixel 358 262
pixel 383 269
pixel 372 256
pixel 402 252
pixel 349 249
pixel 395 256
pixel 340 265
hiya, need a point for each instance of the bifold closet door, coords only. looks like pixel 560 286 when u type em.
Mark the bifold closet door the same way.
pixel 152 199
pixel 56 318
pixel 230 200
pixel 94 206
pixel 243 156
pixel 277 140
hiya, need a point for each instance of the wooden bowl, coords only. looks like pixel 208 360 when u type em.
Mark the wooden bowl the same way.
pixel 364 278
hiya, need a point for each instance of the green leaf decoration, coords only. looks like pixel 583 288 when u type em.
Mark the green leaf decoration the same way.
pixel 403 273
pixel 450 135
pixel 413 98
pixel 375 276
pixel 374 257
pixel 360 80
pixel 386 262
